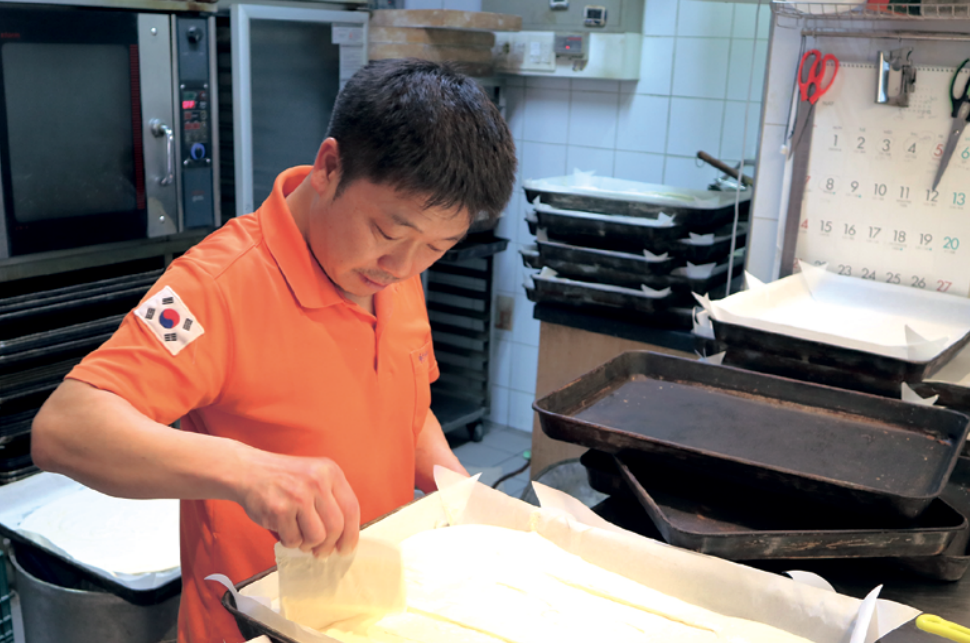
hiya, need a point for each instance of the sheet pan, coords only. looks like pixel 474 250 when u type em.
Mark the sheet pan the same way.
pixel 717 517
pixel 583 191
pixel 874 454
pixel 890 332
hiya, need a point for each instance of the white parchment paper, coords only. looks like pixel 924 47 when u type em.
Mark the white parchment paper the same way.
pixel 817 305
pixel 810 611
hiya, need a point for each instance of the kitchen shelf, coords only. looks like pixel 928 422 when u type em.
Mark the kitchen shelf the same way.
pixel 870 11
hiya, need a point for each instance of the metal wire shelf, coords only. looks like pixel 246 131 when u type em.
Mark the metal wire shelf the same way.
pixel 856 10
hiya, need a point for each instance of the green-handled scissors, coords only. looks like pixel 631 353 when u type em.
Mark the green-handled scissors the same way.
pixel 961 114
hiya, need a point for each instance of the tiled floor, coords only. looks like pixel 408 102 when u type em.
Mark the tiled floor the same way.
pixel 500 453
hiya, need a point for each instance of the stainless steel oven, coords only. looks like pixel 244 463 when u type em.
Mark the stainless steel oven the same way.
pixel 108 125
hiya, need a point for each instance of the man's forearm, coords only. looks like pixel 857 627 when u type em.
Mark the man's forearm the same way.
pixel 432 449
pixel 102 441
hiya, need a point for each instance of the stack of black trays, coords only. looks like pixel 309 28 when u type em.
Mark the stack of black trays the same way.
pixel 596 244
pixel 43 335
pixel 753 467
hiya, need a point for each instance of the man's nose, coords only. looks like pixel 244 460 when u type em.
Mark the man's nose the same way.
pixel 398 263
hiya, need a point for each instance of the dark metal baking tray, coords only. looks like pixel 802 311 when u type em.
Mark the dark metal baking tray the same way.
pixel 694 216
pixel 812 353
pixel 578 293
pixel 594 230
pixel 699 254
pixel 871 453
pixel 721 518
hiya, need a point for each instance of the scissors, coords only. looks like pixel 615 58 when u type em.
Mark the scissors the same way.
pixel 811 86
pixel 961 114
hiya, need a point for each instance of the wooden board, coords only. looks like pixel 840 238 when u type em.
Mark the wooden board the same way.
pixel 430 52
pixel 445 18
pixel 438 37
pixel 565 354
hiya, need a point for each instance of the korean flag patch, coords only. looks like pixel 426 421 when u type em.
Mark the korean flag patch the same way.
pixel 170 319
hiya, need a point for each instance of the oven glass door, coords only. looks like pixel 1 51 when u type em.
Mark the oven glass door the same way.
pixel 70 129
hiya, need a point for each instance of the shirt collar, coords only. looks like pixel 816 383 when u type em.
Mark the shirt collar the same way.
pixel 313 289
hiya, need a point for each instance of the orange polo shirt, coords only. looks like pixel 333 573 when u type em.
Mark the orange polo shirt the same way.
pixel 278 359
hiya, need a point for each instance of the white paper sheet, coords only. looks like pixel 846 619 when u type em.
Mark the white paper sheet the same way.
pixel 877 318
pixel 715 584
pixel 134 543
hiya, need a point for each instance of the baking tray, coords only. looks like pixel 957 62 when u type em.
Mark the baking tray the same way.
pixel 17 501
pixel 582 294
pixel 830 364
pixel 717 517
pixel 606 231
pixel 632 198
pixel 857 325
pixel 686 250
pixel 874 454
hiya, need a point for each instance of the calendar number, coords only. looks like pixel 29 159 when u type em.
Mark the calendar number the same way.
pixel 899 236
pixel 924 239
pixel 950 243
pixel 804 225
pixel 939 151
pixel 874 232
pixel 855 186
pixel 881 189
pixel 849 229
pixel 868 274
pixel 932 196
pixel 959 198
pixel 911 149
pixel 904 193
pixel 845 270
pixel 861 144
pixel 826 226
pixel 943 286
pixel 918 282
pixel 965 154
pixel 892 278
pixel 886 145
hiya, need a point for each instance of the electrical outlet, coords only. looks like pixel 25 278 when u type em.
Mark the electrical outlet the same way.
pixel 504 312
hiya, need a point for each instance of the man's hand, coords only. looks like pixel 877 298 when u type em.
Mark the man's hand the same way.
pixel 306 501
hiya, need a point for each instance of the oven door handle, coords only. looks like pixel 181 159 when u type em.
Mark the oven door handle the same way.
pixel 161 129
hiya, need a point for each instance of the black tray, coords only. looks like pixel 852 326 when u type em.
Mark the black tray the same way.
pixel 578 293
pixel 725 519
pixel 716 251
pixel 819 358
pixel 623 268
pixel 871 453
pixel 607 232
pixel 693 216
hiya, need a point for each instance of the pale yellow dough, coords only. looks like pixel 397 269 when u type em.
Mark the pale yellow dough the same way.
pixel 481 584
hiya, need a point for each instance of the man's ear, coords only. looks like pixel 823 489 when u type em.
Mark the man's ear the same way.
pixel 325 176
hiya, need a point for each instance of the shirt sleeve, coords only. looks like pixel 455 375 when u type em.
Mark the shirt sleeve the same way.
pixel 172 353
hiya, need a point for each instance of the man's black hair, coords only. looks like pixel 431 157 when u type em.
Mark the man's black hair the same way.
pixel 428 130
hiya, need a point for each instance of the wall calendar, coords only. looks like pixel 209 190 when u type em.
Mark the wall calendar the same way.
pixel 869 209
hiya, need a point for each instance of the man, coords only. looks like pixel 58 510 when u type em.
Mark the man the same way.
pixel 294 343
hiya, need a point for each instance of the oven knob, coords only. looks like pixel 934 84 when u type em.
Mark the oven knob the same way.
pixel 197 151
pixel 194 34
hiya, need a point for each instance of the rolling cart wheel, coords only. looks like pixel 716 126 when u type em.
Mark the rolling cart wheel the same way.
pixel 476 431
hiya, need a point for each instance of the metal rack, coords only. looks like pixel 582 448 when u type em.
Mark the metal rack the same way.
pixel 459 295
pixel 869 11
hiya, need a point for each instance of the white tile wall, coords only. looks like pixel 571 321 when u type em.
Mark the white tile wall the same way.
pixel 694 74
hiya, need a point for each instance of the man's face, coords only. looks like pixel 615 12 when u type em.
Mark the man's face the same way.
pixel 371 236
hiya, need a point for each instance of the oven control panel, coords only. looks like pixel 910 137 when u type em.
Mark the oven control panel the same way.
pixel 196 113
pixel 196 141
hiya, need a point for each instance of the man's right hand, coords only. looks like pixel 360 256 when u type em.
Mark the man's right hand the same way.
pixel 306 501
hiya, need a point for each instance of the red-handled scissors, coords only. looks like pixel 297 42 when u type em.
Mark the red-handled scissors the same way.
pixel 812 73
